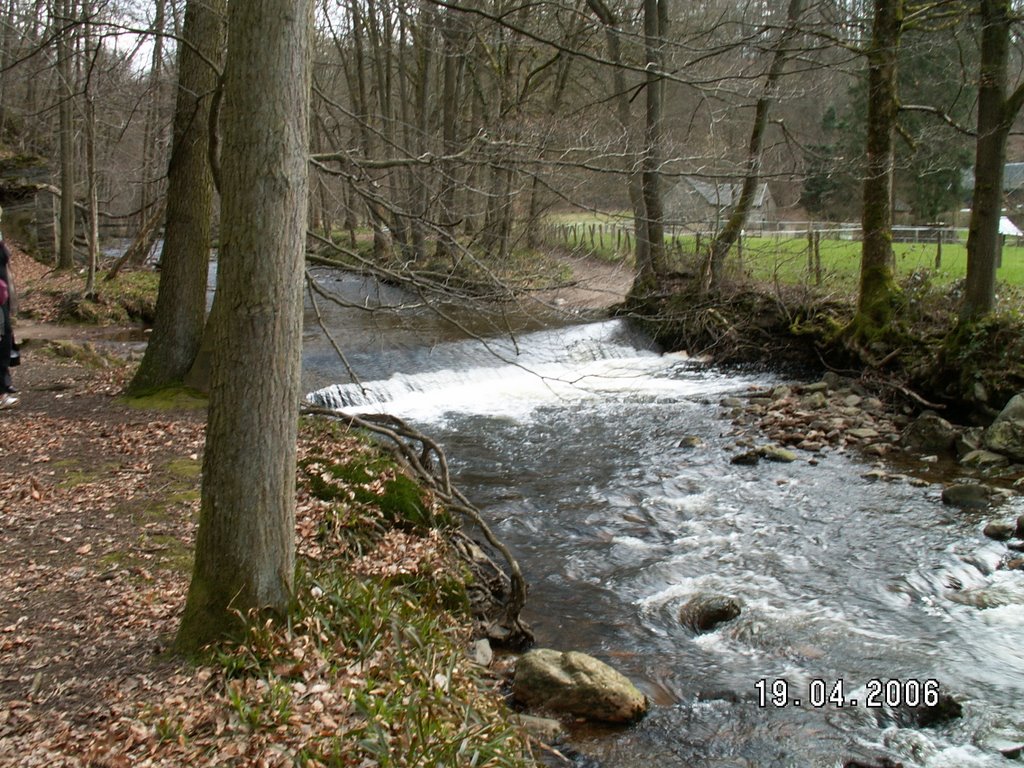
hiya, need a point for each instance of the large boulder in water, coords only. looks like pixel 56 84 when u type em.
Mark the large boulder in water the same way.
pixel 703 613
pixel 578 684
pixel 1006 434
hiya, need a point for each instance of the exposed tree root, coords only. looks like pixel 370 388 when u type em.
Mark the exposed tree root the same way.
pixel 424 458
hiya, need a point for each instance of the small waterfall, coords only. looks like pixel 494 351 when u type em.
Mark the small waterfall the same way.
pixel 513 376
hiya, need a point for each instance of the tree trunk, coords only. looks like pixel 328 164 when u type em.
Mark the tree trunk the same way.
pixel 66 249
pixel 996 114
pixel 152 124
pixel 7 40
pixel 94 202
pixel 877 284
pixel 181 301
pixel 420 193
pixel 376 213
pixel 647 271
pixel 730 233
pixel 454 63
pixel 245 547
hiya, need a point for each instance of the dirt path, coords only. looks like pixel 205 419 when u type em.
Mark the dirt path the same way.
pixel 595 284
pixel 95 555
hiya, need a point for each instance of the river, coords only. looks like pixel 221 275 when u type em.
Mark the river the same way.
pixel 570 439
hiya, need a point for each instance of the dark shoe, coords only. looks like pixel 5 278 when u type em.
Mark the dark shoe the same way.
pixel 10 390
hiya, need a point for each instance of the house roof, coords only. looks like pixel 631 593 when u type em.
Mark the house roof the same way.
pixel 1013 177
pixel 724 194
pixel 1007 227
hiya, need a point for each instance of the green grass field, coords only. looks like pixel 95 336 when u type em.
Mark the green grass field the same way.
pixel 785 259
pixel 764 258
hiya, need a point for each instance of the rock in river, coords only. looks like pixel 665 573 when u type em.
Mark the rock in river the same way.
pixel 578 684
pixel 703 613
pixel 983 459
pixel 747 458
pixel 967 496
pixel 929 433
pixel 777 454
pixel 943 711
pixel 1006 435
pixel 999 531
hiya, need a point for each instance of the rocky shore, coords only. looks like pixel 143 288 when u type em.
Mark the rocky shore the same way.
pixel 978 467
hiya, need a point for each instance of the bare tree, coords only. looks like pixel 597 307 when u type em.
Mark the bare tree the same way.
pixel 996 113
pixel 92 50
pixel 63 30
pixel 245 548
pixel 878 290
pixel 655 28
pixel 181 302
pixel 153 119
pixel 730 233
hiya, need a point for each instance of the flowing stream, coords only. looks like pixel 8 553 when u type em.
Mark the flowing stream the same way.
pixel 570 440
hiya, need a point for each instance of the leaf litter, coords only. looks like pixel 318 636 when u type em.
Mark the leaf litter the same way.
pixel 96 530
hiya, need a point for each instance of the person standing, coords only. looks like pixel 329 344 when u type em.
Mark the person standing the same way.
pixel 7 390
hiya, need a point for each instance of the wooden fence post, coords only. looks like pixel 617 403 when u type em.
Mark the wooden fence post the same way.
pixel 810 250
pixel 817 258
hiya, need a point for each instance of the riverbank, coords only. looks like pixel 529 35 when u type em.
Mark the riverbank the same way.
pixel 98 506
pixel 924 360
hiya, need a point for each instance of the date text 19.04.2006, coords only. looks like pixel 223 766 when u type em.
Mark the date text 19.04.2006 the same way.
pixel 818 693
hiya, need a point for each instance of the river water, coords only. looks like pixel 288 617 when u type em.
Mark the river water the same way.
pixel 570 439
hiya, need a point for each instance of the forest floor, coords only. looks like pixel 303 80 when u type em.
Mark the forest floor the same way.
pixel 99 499
pixel 96 506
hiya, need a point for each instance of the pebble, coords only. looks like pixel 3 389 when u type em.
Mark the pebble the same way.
pixel 814 400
